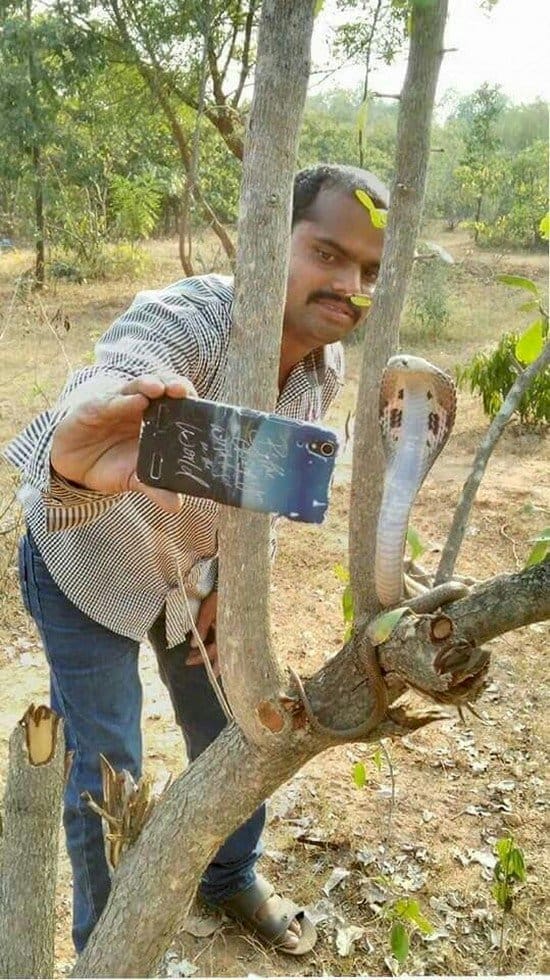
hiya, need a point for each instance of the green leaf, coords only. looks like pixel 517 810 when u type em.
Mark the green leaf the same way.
pixel 382 626
pixel 530 344
pixel 529 307
pixel 544 226
pixel 538 553
pixel 516 864
pixel 501 894
pixel 416 546
pixel 377 759
pixel 360 300
pixel 341 573
pixel 520 282
pixel 409 909
pixel 319 4
pixel 503 848
pixel 379 218
pixel 347 604
pixel 399 942
pixel 359 774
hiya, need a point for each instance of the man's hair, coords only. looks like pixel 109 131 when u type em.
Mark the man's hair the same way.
pixel 308 183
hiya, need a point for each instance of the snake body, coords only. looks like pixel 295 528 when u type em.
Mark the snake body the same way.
pixel 416 413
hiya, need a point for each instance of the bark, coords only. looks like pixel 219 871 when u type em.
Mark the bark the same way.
pixel 249 670
pixel 482 456
pixel 28 867
pixel 160 873
pixel 407 195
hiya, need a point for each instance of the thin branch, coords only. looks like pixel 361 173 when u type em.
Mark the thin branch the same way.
pixel 245 60
pixel 493 434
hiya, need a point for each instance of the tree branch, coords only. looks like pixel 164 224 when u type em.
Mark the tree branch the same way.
pixel 413 139
pixel 250 672
pixel 485 449
pixel 239 774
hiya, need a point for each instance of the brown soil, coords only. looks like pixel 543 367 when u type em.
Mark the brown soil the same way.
pixel 458 788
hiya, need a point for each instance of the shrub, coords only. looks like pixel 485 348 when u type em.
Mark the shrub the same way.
pixel 427 311
pixel 492 373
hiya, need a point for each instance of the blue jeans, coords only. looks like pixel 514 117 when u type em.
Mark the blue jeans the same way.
pixel 96 688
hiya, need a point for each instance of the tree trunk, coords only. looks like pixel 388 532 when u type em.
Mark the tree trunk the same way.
pixel 249 670
pixel 407 196
pixel 28 867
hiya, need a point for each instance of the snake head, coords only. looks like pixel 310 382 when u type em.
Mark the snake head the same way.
pixel 417 410
pixel 410 381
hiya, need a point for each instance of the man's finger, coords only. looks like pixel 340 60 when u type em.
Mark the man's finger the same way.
pixel 153 386
pixel 167 500
pixel 195 659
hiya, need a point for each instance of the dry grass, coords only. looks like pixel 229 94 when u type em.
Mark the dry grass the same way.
pixel 321 819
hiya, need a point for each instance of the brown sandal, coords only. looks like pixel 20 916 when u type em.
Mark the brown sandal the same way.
pixel 245 906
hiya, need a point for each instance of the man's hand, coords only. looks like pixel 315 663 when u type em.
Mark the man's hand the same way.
pixel 96 445
pixel 206 628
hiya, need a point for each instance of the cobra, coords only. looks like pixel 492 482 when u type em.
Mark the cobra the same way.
pixel 416 411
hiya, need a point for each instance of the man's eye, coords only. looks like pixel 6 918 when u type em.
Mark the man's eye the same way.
pixel 369 278
pixel 325 256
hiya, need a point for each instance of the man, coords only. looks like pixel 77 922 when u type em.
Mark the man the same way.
pixel 104 557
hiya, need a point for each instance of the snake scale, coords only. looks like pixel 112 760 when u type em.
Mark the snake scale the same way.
pixel 417 408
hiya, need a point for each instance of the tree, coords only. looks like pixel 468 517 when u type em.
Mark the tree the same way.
pixel 377 35
pixel 479 172
pixel 278 726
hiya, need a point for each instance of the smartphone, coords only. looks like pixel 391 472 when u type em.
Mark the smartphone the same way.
pixel 238 456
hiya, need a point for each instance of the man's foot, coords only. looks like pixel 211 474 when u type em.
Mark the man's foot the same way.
pixel 276 920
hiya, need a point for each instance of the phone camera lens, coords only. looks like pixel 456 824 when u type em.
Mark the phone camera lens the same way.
pixel 326 449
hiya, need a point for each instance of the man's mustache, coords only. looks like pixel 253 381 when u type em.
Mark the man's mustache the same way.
pixel 336 298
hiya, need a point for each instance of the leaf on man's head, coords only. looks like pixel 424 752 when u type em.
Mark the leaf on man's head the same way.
pixel 378 217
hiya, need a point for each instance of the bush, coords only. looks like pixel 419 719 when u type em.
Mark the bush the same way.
pixel 426 312
pixel 492 373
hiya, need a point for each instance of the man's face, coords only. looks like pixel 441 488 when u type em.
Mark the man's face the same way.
pixel 335 253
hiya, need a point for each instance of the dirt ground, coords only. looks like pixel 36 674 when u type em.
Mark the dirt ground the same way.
pixel 346 853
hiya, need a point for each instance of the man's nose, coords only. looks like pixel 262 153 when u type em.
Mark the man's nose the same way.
pixel 347 280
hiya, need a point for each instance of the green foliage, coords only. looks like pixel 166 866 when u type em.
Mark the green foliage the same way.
pixel 540 549
pixel 489 168
pixel 492 373
pixel 427 312
pixel 135 203
pixel 522 198
pixel 415 544
pixel 382 626
pixel 375 30
pixel 405 915
pixel 507 873
pixel 342 575
pixel 359 775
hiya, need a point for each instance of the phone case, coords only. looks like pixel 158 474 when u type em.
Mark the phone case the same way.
pixel 238 456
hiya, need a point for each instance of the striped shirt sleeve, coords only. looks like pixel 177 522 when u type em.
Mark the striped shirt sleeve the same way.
pixel 155 334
